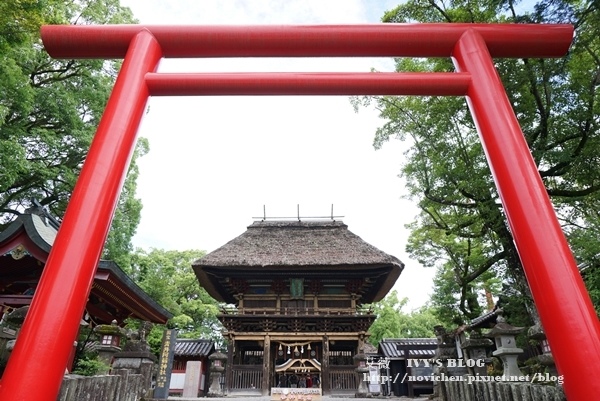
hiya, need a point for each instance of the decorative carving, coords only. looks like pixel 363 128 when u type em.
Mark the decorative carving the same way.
pixel 268 325
pixel 324 325
pixel 361 324
pixel 232 324
pixel 296 325
pixel 18 252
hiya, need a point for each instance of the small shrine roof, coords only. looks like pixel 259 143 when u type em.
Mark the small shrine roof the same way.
pixel 487 320
pixel 197 348
pixel 32 235
pixel 406 348
pixel 38 228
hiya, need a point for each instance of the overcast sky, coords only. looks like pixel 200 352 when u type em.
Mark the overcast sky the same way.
pixel 215 161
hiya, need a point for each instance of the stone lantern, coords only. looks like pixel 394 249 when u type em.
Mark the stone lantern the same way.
pixel 216 370
pixel 506 348
pixel 110 341
pixel 475 348
pixel 536 332
pixel 360 360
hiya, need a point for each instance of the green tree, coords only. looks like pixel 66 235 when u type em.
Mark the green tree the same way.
pixel 461 229
pixel 49 111
pixel 167 276
pixel 393 322
pixel 118 247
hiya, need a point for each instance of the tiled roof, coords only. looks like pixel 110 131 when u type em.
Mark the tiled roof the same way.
pixel 194 347
pixel 486 320
pixel 403 348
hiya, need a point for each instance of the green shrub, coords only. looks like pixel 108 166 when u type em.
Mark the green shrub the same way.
pixel 90 365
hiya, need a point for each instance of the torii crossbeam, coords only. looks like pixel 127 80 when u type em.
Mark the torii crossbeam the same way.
pixel 36 367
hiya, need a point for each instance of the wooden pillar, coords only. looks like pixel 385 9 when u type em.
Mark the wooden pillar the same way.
pixel 325 385
pixel 229 367
pixel 266 366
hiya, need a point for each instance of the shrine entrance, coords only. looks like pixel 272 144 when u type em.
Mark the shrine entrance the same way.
pixel 302 359
pixel 299 290
pixel 295 365
pixel 551 271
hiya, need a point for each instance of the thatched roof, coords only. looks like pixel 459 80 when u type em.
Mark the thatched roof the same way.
pixel 297 243
pixel 309 249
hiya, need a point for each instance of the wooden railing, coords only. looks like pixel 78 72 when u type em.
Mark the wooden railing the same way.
pixel 246 377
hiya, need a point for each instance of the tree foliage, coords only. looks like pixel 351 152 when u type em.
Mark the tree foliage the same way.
pixel 49 111
pixel 461 229
pixel 393 322
pixel 168 278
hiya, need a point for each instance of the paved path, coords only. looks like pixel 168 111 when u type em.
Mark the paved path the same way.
pixel 323 398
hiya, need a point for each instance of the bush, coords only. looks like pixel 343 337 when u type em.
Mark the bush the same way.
pixel 90 365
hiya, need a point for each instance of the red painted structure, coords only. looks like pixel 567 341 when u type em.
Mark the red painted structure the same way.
pixel 36 367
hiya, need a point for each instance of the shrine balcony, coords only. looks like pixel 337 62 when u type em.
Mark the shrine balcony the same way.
pixel 298 311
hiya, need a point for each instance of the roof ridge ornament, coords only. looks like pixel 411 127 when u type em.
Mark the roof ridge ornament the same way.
pixel 264 217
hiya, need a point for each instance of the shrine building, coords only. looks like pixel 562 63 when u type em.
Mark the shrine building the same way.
pixel 24 248
pixel 296 294
pixel 25 245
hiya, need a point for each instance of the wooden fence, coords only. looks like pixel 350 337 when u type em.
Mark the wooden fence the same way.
pixel 499 391
pixel 122 387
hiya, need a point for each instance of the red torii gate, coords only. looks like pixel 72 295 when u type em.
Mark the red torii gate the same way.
pixel 36 367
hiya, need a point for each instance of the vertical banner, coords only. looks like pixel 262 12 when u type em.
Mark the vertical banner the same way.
pixel 165 365
pixel 297 288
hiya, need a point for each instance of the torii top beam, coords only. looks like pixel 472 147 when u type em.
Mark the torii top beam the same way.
pixel 370 40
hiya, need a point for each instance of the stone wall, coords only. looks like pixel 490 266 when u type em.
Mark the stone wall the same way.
pixel 499 391
pixel 119 387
